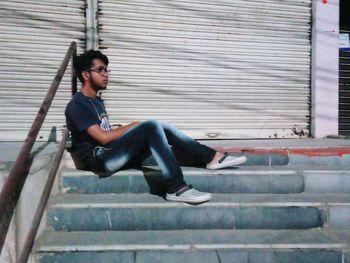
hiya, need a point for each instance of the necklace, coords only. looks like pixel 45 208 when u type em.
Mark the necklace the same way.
pixel 94 106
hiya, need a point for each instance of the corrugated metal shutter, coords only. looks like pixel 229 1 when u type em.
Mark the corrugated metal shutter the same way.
pixel 344 92
pixel 215 69
pixel 34 38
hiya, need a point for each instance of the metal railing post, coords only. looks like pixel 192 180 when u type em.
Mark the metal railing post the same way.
pixel 74 83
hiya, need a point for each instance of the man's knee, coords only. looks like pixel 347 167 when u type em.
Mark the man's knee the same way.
pixel 152 124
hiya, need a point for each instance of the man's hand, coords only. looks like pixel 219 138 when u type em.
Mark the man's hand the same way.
pixel 105 137
pixel 118 125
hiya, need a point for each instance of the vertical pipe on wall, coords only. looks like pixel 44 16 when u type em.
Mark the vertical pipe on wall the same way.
pixel 91 24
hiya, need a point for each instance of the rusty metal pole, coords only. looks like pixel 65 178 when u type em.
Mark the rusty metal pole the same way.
pixel 73 73
pixel 18 174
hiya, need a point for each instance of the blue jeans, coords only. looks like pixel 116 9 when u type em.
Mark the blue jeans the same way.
pixel 159 139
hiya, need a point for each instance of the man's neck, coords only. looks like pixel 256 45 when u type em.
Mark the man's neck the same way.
pixel 88 92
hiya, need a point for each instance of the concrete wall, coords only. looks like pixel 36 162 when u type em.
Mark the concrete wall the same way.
pixel 30 195
pixel 325 68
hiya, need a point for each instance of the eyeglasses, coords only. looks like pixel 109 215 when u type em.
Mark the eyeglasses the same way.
pixel 100 70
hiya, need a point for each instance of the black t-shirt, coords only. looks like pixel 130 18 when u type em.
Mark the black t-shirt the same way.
pixel 81 113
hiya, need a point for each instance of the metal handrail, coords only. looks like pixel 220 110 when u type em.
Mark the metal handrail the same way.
pixel 14 184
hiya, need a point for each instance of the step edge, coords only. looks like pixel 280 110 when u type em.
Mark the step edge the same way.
pixel 184 205
pixel 191 246
pixel 188 173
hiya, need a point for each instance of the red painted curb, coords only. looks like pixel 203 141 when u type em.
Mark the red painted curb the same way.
pixel 309 152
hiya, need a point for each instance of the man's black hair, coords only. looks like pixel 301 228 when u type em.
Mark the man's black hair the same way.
pixel 84 61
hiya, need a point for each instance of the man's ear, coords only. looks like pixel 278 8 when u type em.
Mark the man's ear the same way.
pixel 85 75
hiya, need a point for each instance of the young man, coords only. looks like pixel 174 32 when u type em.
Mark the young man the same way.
pixel 105 150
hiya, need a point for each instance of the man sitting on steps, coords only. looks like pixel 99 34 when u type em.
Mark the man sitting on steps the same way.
pixel 106 150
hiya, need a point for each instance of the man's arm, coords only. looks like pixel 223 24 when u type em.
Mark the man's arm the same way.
pixel 105 137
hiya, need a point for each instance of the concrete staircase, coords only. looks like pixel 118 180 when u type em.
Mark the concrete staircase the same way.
pixel 287 212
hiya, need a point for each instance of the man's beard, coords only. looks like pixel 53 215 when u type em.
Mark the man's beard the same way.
pixel 96 86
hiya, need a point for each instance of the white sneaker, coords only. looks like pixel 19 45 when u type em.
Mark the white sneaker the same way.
pixel 227 161
pixel 189 195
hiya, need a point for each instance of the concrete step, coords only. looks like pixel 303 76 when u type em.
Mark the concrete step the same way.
pixel 76 212
pixel 331 153
pixel 240 180
pixel 209 246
